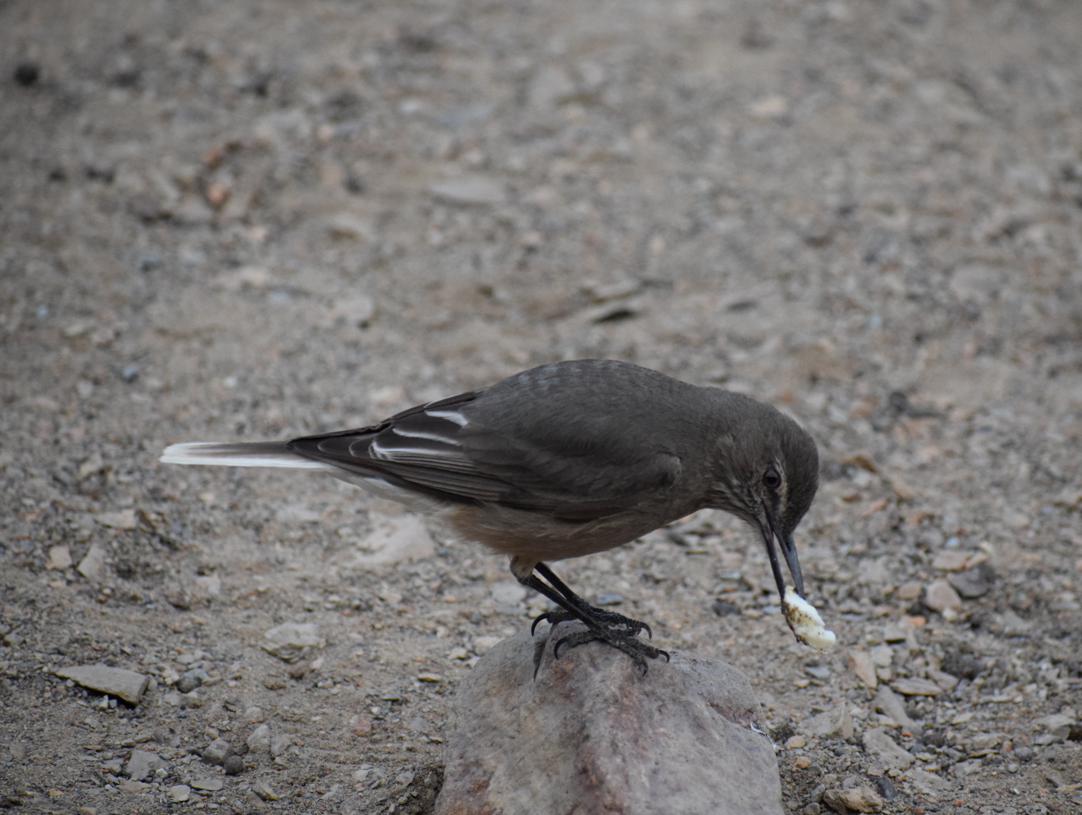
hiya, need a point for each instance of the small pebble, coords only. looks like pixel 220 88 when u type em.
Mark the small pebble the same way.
pixel 26 73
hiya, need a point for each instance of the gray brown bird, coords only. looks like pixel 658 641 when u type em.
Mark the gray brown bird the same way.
pixel 566 460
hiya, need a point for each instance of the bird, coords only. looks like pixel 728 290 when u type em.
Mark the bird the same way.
pixel 565 460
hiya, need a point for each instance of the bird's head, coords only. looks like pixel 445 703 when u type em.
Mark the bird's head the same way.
pixel 767 472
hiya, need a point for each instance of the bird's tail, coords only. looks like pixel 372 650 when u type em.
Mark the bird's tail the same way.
pixel 245 454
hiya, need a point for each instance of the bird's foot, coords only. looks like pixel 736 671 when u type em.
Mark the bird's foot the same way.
pixel 624 641
pixel 608 627
pixel 608 619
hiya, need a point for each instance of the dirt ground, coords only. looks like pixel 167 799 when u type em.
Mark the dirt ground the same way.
pixel 244 220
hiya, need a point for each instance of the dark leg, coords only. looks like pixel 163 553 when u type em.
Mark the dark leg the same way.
pixel 604 626
pixel 608 618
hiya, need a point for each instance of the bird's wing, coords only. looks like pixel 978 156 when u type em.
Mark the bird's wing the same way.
pixel 455 450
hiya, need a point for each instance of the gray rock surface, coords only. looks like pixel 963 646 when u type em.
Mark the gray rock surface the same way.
pixel 883 747
pixel 589 733
pixel 141 764
pixel 120 682
pixel 833 722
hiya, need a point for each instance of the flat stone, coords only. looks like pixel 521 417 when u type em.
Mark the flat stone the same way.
pixel 883 747
pixel 279 744
pixel 944 680
pixel 508 593
pixel 861 798
pixel 685 738
pixel 217 752
pixel 909 591
pixel 349 225
pixel 889 704
pixel 121 519
pixel 141 764
pixel 549 86
pixel 940 596
pixel 208 784
pixel 469 190
pixel 291 641
pixel 395 540
pixel 928 783
pixel 1011 624
pixel 355 309
pixel 260 740
pixel 974 582
pixel 59 558
pixel 860 663
pixel 833 723
pixel 950 561
pixel 190 680
pixel 912 686
pixel 179 793
pixel 119 682
pixel 92 566
pixel 882 656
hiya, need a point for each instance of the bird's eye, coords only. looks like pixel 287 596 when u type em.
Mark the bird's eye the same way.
pixel 771 479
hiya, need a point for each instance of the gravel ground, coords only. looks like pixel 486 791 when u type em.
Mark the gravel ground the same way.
pixel 241 220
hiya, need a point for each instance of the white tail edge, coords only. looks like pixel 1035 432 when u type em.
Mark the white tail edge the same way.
pixel 254 454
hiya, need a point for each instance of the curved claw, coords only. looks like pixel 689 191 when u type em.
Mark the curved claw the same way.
pixel 556 647
pixel 540 618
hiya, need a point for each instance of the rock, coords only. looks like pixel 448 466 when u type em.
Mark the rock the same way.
pixel 120 682
pixel 469 190
pixel 974 582
pixel 217 752
pixel 964 768
pixel 833 723
pixel 361 726
pixel 190 680
pixel 141 764
pixel 909 591
pixel 927 783
pixel 208 784
pixel 234 765
pixel 912 686
pixel 264 791
pixel 394 540
pixel 887 703
pixel 121 519
pixel 255 277
pixel 950 560
pixel 350 226
pixel 179 793
pixel 508 593
pixel 883 747
pixel 92 566
pixel 356 309
pixel 944 680
pixel 549 86
pixel 941 596
pixel 862 799
pixel 260 740
pixel 684 738
pixel 291 641
pixel 885 787
pixel 278 746
pixel 1011 624
pixel 860 663
pixel 482 645
pixel 59 558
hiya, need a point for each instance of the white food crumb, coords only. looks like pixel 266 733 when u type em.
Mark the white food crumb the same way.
pixel 806 622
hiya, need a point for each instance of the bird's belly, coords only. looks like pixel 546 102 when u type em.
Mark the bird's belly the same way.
pixel 533 536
